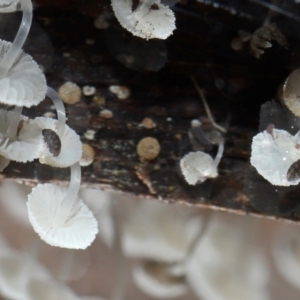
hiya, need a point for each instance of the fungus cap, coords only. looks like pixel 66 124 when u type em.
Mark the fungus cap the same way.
pixel 25 83
pixel 27 146
pixel 150 20
pixel 196 167
pixel 77 232
pixel 273 154
pixel 155 281
pixel 291 92
pixel 71 147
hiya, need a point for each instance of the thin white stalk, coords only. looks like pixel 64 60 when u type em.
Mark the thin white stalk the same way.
pixel 207 109
pixel 60 109
pixel 219 153
pixel 14 50
pixel 71 196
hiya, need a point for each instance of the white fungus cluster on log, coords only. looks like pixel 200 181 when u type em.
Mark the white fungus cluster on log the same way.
pixel 56 214
pixel 149 20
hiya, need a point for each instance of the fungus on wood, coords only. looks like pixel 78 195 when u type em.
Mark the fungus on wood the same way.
pixel 234 81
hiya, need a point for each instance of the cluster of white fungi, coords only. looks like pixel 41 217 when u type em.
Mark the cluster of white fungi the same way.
pixel 57 214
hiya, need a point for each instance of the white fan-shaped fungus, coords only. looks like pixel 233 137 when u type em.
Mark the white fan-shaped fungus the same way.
pixel 150 20
pixel 197 166
pixel 23 146
pixel 155 280
pixel 71 148
pixel 59 217
pixel 22 82
pixel 226 266
pixel 273 153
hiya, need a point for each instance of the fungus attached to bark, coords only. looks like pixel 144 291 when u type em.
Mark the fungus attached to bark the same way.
pixel 291 92
pixel 150 19
pixel 59 217
pixel 197 166
pixel 272 154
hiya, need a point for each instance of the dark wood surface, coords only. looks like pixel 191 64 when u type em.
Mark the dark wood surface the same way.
pixel 159 79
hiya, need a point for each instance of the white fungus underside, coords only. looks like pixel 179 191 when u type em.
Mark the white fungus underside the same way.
pixel 71 147
pixel 215 273
pixel 145 22
pixel 27 146
pixel 24 84
pixel 78 231
pixel 164 234
pixel 196 167
pixel 272 156
pixel 154 288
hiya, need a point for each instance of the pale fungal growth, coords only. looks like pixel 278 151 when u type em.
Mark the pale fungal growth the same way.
pixel 88 90
pixel 197 166
pixel 8 6
pixel 286 254
pixel 149 20
pixel 148 123
pixel 106 114
pixel 88 155
pixel 155 280
pixel 226 265
pixel 59 217
pixel 90 134
pixel 70 93
pixel 60 149
pixel 122 92
pixel 291 92
pixel 273 153
pixel 148 148
pixel 21 138
pixel 22 82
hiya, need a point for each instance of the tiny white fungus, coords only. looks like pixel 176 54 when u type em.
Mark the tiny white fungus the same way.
pixel 88 90
pixel 90 134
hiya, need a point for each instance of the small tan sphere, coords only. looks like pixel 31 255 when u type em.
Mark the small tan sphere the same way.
pixel 148 123
pixel 148 148
pixel 70 93
pixel 106 114
pixel 88 155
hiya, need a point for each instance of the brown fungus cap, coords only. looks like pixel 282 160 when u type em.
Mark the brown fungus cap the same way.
pixel 70 92
pixel 291 92
pixel 148 148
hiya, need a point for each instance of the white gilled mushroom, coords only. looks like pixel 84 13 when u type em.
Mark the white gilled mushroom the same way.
pixel 154 280
pixel 151 19
pixel 8 6
pixel 197 166
pixel 22 82
pixel 286 253
pixel 22 146
pixel 226 265
pixel 158 231
pixel 59 217
pixel 62 146
pixel 275 154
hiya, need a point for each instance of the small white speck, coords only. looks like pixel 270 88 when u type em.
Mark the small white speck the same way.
pixel 88 90
pixel 169 119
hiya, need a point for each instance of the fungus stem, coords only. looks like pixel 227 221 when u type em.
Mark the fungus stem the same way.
pixel 11 131
pixel 122 271
pixel 71 196
pixel 60 109
pixel 219 153
pixel 208 112
pixel 14 50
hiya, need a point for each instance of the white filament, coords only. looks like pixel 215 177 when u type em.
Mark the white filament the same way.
pixel 19 40
pixel 60 109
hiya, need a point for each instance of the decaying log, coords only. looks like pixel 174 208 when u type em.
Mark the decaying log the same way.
pixel 158 75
